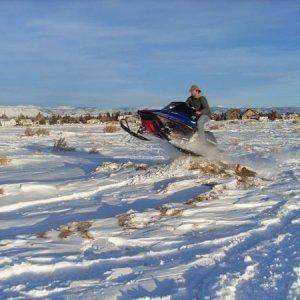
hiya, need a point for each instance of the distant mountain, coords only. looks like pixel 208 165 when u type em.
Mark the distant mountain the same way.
pixel 281 110
pixel 32 111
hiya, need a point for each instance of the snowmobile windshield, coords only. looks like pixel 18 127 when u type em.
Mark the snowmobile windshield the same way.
pixel 181 108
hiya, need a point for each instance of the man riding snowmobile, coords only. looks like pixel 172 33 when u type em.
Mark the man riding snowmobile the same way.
pixel 200 108
pixel 176 123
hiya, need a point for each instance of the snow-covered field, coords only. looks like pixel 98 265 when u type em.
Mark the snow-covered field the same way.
pixel 140 221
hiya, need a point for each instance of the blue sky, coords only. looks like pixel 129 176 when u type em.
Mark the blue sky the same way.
pixel 143 53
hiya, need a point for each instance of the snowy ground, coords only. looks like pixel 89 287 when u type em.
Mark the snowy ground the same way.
pixel 136 220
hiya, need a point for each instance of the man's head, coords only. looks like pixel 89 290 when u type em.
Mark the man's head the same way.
pixel 195 90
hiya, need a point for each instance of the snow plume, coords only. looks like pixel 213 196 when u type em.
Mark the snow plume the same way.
pixel 201 147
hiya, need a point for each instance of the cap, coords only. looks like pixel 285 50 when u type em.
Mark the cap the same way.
pixel 194 87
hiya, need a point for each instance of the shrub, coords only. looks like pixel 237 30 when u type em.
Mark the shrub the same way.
pixel 1 191
pixel 4 160
pixel 61 145
pixel 29 132
pixel 110 128
pixel 81 228
pixel 168 211
pixel 64 231
pixel 41 131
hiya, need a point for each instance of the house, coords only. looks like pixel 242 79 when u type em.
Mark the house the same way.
pixel 290 116
pixel 263 118
pixel 233 114
pixel 8 122
pixel 250 114
pixel 297 120
pixel 25 122
pixel 93 121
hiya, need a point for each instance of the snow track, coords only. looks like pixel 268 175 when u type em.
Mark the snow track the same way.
pixel 132 221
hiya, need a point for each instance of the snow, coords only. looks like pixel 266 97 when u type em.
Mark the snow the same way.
pixel 14 111
pixel 137 220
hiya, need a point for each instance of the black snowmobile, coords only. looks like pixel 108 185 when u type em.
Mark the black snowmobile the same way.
pixel 175 123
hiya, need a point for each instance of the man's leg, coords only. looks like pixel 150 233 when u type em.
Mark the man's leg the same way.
pixel 201 123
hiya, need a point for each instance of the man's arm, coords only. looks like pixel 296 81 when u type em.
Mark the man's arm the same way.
pixel 205 110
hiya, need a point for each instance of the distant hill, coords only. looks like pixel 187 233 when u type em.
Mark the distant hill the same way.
pixel 14 111
pixel 281 110
pixel 32 111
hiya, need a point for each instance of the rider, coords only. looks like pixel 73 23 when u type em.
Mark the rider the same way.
pixel 200 106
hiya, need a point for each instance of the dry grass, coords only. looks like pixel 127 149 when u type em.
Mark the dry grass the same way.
pixel 65 231
pixel 130 221
pixel 110 128
pixel 4 160
pixel 212 168
pixel 235 141
pixel 125 220
pixel 197 199
pixel 141 167
pixel 244 172
pixel 246 182
pixel 38 132
pixel 168 211
pixel 80 228
pixel 94 150
pixel 83 229
pixel 42 235
pixel 221 169
pixel 62 145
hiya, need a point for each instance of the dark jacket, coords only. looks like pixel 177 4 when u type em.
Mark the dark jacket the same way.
pixel 199 104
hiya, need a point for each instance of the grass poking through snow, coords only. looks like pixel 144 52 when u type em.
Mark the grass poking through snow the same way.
pixel 36 132
pixel 62 145
pixel 4 160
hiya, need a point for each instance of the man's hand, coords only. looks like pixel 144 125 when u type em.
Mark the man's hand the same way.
pixel 198 113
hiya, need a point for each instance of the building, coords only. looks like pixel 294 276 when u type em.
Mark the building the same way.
pixel 250 114
pixel 93 121
pixel 25 122
pixel 8 122
pixel 263 118
pixel 233 114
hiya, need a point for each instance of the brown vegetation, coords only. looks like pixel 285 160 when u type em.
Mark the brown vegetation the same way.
pixel 168 211
pixel 244 172
pixel 127 221
pixel 218 168
pixel 61 145
pixel 1 191
pixel 197 199
pixel 38 132
pixel 4 160
pixel 110 128
pixel 141 167
pixel 81 228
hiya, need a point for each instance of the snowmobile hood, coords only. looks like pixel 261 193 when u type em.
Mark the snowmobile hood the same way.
pixel 172 116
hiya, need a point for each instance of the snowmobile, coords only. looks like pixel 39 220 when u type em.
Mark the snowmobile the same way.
pixel 176 123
